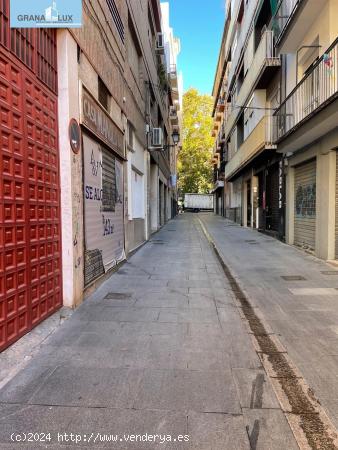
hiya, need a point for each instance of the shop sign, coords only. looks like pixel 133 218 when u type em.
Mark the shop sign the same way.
pixel 97 120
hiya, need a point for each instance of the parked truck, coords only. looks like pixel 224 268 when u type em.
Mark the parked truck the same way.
pixel 198 202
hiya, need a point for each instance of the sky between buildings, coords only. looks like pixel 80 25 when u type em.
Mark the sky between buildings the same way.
pixel 199 24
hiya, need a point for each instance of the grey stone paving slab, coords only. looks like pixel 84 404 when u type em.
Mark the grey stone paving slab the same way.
pixel 254 389
pixel 181 390
pixel 33 419
pixel 124 422
pixel 169 301
pixel 242 353
pixel 23 386
pixel 217 432
pixel 75 386
pixel 268 429
pixel 189 315
pixel 107 314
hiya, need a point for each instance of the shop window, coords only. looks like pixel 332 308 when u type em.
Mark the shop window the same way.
pixel 104 94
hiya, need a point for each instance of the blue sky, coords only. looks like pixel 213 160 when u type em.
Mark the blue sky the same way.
pixel 199 25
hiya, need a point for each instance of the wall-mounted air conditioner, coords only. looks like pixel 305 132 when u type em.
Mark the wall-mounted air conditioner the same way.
pixel 157 137
pixel 160 43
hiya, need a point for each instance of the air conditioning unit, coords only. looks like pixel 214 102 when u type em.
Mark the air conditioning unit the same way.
pixel 160 43
pixel 157 137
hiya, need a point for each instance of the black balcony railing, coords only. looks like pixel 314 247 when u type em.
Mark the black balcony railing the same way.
pixel 318 87
pixel 222 166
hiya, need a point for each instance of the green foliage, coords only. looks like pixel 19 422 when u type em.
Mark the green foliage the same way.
pixel 194 167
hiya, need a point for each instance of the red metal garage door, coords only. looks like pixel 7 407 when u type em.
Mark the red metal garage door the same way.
pixel 30 253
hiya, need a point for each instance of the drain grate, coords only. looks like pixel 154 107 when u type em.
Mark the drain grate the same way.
pixel 118 296
pixel 329 272
pixel 157 242
pixel 293 277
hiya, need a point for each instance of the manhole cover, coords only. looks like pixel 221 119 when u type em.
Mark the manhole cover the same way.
pixel 293 277
pixel 329 272
pixel 118 296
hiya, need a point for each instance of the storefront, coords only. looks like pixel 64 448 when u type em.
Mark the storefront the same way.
pixel 103 157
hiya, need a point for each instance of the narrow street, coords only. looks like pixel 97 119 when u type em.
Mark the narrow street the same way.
pixel 159 349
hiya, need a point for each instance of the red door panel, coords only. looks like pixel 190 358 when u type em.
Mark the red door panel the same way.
pixel 30 241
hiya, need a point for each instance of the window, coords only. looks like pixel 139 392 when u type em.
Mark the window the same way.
pixel 130 136
pixel 134 51
pixel 104 94
pixel 108 181
pixel 116 18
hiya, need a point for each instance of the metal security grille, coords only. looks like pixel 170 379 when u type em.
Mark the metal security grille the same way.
pixel 46 57
pixel 117 18
pixel 305 205
pixel 108 181
pixel 30 231
pixel 22 44
pixel 36 48
pixel 4 25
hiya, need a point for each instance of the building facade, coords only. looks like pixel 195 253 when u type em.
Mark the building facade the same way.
pixel 275 83
pixel 87 167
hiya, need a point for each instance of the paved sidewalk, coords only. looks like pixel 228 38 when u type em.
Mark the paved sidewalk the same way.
pixel 303 313
pixel 159 348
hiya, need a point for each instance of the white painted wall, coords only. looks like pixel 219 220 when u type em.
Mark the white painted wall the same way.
pixel 68 107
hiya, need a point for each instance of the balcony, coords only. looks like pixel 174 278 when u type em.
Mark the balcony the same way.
pixel 291 22
pixel 259 139
pixel 173 115
pixel 173 76
pixel 314 92
pixel 220 107
pixel 236 53
pixel 263 65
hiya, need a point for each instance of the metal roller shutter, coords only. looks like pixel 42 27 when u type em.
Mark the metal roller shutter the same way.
pixel 305 205
pixel 336 230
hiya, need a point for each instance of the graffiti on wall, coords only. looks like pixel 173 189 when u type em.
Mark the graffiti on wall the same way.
pixel 103 212
pixel 305 202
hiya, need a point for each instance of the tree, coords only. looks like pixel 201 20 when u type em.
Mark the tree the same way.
pixel 194 167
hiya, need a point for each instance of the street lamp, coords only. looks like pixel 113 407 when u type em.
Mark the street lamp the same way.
pixel 175 137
